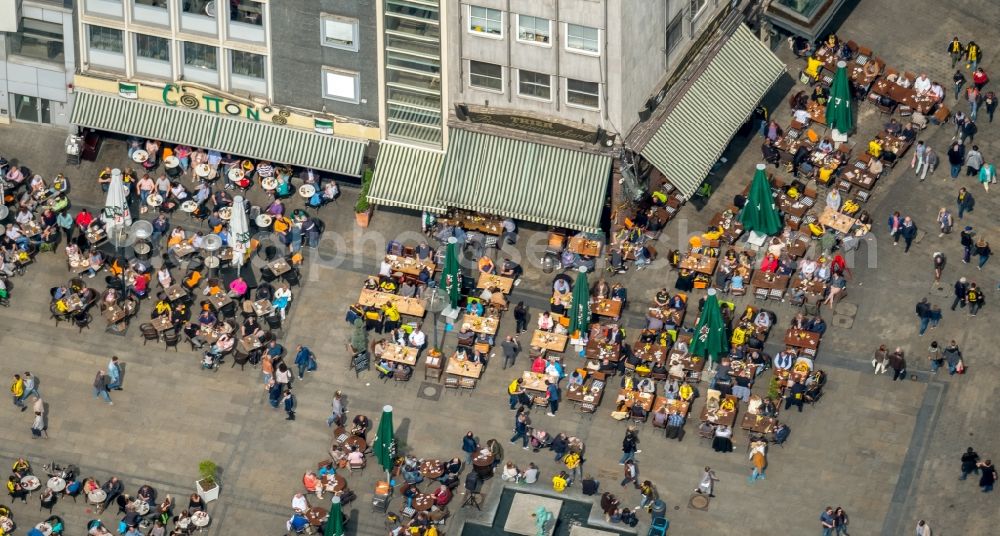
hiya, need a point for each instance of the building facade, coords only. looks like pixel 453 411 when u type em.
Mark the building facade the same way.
pixel 37 62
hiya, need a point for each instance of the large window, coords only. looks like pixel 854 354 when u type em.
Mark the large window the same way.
pixel 534 85
pixel 106 39
pixel 675 31
pixel 246 12
pixel 247 64
pixel 534 30
pixel 341 85
pixel 486 76
pixel 582 39
pixel 340 32
pixel 583 94
pixel 483 20
pixel 151 11
pixel 201 56
pixel 151 47
pixel 38 39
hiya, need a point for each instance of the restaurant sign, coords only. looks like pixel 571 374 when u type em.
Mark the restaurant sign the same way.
pixel 531 124
pixel 128 90
pixel 197 98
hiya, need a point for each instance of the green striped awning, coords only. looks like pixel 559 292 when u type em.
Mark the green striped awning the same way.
pixel 525 181
pixel 697 130
pixel 142 119
pixel 408 177
pixel 287 145
pixel 257 140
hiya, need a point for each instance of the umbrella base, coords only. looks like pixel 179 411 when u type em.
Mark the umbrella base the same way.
pixel 838 136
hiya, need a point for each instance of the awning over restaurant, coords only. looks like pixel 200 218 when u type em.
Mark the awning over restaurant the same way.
pixel 698 129
pixel 260 141
pixel 525 181
pixel 408 177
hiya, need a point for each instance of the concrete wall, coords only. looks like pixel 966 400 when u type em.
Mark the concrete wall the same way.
pixel 298 55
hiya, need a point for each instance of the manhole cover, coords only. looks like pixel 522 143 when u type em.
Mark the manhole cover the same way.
pixel 847 309
pixel 698 502
pixel 429 391
pixel 843 321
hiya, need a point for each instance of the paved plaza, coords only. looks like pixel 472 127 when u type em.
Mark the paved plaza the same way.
pixel 887 452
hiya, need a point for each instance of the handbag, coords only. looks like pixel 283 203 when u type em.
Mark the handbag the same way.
pixel 960 367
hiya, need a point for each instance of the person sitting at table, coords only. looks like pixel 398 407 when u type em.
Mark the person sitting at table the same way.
pixel 474 306
pixel 784 359
pixel 599 291
pixel 15 490
pixel 723 441
pixel 922 84
pixel 486 265
pixel 355 457
pixel 875 147
pixel 360 426
pixel 763 320
pixel 442 496
pixel 193 332
pixel 769 264
pixel 207 318
pixel 140 286
pixel 819 95
pixel 646 385
pixel 162 307
pixel 936 92
pixel 817 325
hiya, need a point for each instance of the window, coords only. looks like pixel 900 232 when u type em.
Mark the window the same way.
pixel 161 4
pixel 201 56
pixel 26 108
pixel 247 64
pixel 38 39
pixel 106 39
pixel 486 76
pixel 483 20
pixel 582 39
pixel 534 85
pixel 247 12
pixel 534 29
pixel 151 47
pixel 583 94
pixel 340 32
pixel 199 7
pixel 341 85
pixel 675 32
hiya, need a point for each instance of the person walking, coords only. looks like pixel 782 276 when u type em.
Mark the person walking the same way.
pixel 574 464
pixel 38 428
pixel 758 458
pixel 30 386
pixel 631 474
pixel 987 175
pixel 959 80
pixel 520 431
pixel 972 55
pixel 935 357
pixel 520 318
pixel 337 413
pixel 956 51
pixel 289 402
pixel 968 131
pixel 956 155
pixel 990 102
pixel 973 161
pixel 17 392
pixel 953 356
pixel 511 348
pixel 305 360
pixel 973 96
pixel 979 78
pixel 552 395
pixel 970 463
pixel 923 311
pixel 931 159
pixel 939 263
pixel 945 221
pixel 897 361
pixel 975 298
pixel 114 374
pixel 982 250
pixel 827 521
pixel 923 529
pixel 647 495
pixel 908 231
pixel 965 238
pixel 987 475
pixel 919 157
pixel 630 445
pixel 706 486
pixel 840 521
pixel 101 387
pixel 515 392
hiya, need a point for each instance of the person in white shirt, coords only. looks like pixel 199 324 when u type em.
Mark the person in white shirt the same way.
pixel 385 269
pixel 418 339
pixel 299 503
pixel 545 322
pixel 530 475
pixel 801 116
pixel 937 91
pixel 23 216
pixel 163 276
pixel 922 84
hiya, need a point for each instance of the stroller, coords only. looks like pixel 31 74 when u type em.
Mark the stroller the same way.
pixel 540 439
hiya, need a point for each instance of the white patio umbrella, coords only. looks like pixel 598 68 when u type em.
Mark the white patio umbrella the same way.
pixel 116 215
pixel 239 231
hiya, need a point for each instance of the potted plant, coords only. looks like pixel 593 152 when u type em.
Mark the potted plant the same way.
pixel 362 208
pixel 207 485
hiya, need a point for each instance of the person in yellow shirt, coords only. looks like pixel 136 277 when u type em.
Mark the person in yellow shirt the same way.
pixel 515 391
pixel 875 147
pixel 559 482
pixel 17 391
pixel 972 54
pixel 390 317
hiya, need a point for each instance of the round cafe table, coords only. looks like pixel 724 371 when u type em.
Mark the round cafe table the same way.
pixel 263 220
pixel 423 502
pixel 202 170
pixel 154 200
pixel 171 162
pixel 236 174
pixel 140 156
pixel 30 483
pixel 269 183
pixel 339 483
pixel 189 206
pixel 226 213
pixel 316 515
pixel 97 496
pixel 307 190
pixel 483 464
pixel 200 519
pixel 352 440
pixel 56 484
pixel 431 469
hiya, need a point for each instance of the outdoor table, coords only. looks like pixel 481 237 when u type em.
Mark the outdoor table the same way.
pixel 722 417
pixel 279 266
pixel 423 502
pixel 697 262
pixel 731 226
pixel 202 170
pixel 74 303
pixel 316 516
pixel 817 112
pixel 31 228
pixel 56 484
pixel 189 206
pixel 857 174
pixel 79 266
pixel 400 354
pixel 598 351
pixel 585 247
pixel 263 307
pixel 269 184
pixel 161 323
pixel 140 156
pixel 115 313
pixel 769 280
pixel 154 200
pixel 607 307
pixel 482 463
pixel 671 406
pixel 176 292
pixel 534 381
pixel 505 284
pixel 200 519
pixel 183 249
pixel 788 376
pixel 474 222
pixel 814 286
pixel 307 190
pixel 668 315
pixel 226 213
pixel 481 324
pixel 590 392
pixel 462 367
pixel 555 342
pixel 632 397
pixel 235 174
pixel 96 235
pixel 654 354
pixel 334 482
pixel 920 103
pixel 219 300
pixel 171 162
pixel 797 246
pixel 835 220
pixel 800 338
pixel 758 423
pixel 406 306
pixel 431 469
pixel 409 265
pixel 30 482
pixel 350 440
pixel 248 344
pixel 263 220
pixel 97 496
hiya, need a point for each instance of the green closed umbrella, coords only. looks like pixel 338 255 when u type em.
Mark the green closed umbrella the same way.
pixel 334 523
pixel 579 310
pixel 710 332
pixel 839 115
pixel 450 281
pixel 760 214
pixel 385 446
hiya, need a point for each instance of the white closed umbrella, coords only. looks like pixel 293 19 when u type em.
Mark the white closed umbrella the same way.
pixel 116 212
pixel 239 230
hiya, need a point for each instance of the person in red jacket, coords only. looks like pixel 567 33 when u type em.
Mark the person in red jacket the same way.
pixel 84 219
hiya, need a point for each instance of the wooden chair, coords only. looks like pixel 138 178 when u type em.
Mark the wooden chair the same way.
pixel 171 339
pixel 451 382
pixel 149 333
pixel 467 384
pixel 240 358
pixel 360 467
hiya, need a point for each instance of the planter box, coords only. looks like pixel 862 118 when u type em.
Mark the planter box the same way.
pixel 363 217
pixel 207 495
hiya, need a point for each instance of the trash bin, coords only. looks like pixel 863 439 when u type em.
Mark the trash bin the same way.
pixel 659 509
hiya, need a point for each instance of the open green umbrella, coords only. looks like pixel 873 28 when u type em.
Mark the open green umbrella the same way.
pixel 450 281
pixel 839 115
pixel 334 523
pixel 579 310
pixel 385 446
pixel 760 213
pixel 710 339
